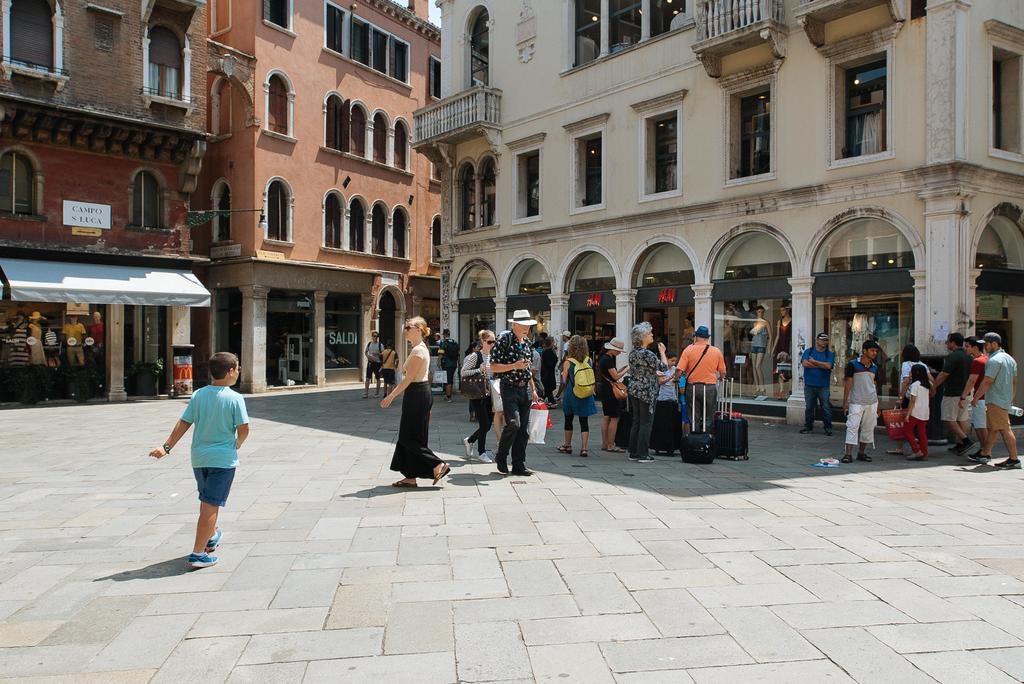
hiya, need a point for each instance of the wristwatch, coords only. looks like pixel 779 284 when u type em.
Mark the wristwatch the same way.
pixel 167 448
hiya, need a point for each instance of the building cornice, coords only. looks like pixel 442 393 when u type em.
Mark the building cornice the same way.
pixel 660 101
pixel 1004 31
pixel 589 122
pixel 407 17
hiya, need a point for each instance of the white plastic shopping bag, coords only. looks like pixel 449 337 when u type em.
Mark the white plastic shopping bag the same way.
pixel 538 423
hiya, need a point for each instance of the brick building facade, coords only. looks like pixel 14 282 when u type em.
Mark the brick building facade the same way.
pixel 102 135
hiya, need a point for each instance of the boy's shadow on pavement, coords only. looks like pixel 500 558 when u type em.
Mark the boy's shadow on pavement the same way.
pixel 167 568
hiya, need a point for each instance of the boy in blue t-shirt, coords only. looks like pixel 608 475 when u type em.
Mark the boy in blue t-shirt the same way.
pixel 222 425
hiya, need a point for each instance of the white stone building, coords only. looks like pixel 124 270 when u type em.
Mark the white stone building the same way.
pixel 768 168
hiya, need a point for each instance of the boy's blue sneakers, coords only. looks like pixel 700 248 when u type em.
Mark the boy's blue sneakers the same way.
pixel 214 542
pixel 201 560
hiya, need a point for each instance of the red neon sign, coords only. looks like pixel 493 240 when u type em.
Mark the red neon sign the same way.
pixel 667 296
pixel 594 300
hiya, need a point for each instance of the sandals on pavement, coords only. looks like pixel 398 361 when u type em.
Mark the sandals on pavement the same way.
pixel 583 453
pixel 444 471
pixel 565 449
pixel 403 483
pixel 847 458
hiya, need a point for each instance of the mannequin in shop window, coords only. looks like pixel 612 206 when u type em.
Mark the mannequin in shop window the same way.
pixel 17 332
pixel 74 337
pixel 782 349
pixel 760 341
pixel 36 355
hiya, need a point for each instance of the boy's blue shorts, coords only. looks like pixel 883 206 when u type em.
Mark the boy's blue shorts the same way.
pixel 214 484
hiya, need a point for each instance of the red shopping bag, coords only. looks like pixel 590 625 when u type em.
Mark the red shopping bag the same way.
pixel 894 420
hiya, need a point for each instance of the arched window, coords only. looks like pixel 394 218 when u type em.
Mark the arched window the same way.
pixel 865 244
pixel 222 224
pixel 164 63
pixel 467 191
pixel 16 192
pixel 480 50
pixel 31 34
pixel 358 137
pixel 380 138
pixel 356 226
pixel 435 239
pixel 478 283
pixel 379 221
pixel 664 265
pixel 220 107
pixel 332 221
pixel 401 145
pixel 530 278
pixel 146 202
pixel 593 272
pixel 756 255
pixel 488 198
pixel 277 105
pixel 278 211
pixel 336 124
pixel 398 228
pixel 1002 242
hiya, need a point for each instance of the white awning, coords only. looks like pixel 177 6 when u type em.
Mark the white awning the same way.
pixel 57 281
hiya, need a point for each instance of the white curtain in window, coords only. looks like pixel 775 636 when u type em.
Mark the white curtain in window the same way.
pixel 871 140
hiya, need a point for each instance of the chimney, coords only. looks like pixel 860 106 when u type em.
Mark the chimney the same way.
pixel 420 8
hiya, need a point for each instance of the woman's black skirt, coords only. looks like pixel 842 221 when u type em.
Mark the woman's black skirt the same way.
pixel 413 458
pixel 667 432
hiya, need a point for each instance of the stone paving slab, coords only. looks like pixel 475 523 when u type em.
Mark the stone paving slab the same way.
pixel 597 570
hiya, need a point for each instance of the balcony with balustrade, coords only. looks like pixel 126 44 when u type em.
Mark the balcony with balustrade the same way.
pixel 725 27
pixel 471 113
pixel 812 15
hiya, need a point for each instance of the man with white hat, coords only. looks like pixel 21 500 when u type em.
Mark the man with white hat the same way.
pixel 511 360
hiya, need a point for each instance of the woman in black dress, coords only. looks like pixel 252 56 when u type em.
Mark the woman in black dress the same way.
pixel 413 458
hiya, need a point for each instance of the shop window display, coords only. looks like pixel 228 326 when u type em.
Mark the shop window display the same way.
pixel 755 337
pixel 342 323
pixel 51 351
pixel 850 321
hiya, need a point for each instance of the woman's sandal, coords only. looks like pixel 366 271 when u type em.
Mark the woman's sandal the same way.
pixel 613 450
pixel 583 453
pixel 847 458
pixel 444 471
pixel 894 452
pixel 565 449
pixel 403 483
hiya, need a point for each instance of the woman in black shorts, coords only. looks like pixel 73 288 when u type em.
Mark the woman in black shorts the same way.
pixel 608 374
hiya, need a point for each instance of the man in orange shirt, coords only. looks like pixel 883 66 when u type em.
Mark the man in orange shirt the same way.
pixel 703 364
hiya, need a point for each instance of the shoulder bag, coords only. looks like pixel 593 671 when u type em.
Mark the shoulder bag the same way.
pixel 475 386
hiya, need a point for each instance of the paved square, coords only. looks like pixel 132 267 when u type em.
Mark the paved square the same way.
pixel 596 570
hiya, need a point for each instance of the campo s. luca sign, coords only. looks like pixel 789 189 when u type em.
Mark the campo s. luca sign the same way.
pixel 86 215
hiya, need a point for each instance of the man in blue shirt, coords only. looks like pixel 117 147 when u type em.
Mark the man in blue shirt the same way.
pixel 818 362
pixel 998 390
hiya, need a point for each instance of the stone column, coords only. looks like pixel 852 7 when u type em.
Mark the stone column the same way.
pixel 972 301
pixel 802 296
pixel 702 305
pixel 946 80
pixel 319 350
pixel 366 318
pixel 254 338
pixel 115 353
pixel 501 315
pixel 645 22
pixel 625 313
pixel 559 314
pixel 921 318
pixel 947 262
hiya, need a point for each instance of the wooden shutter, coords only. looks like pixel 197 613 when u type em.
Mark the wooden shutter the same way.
pixel 32 33
pixel 346 136
pixel 401 140
pixel 380 139
pixel 278 106
pixel 358 132
pixel 164 48
pixel 331 123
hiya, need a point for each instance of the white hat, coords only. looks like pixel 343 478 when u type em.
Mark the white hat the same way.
pixel 566 333
pixel 522 317
pixel 615 344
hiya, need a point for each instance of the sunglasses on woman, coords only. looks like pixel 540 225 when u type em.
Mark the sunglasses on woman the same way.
pixel 488 341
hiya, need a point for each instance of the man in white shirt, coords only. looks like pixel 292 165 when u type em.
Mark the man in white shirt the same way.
pixel 374 354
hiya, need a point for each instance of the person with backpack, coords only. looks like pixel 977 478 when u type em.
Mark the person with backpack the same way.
pixel 448 350
pixel 579 381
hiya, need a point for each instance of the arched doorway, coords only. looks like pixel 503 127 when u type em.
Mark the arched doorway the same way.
pixel 663 277
pixel 1000 298
pixel 477 290
pixel 591 283
pixel 753 315
pixel 387 324
pixel 863 290
pixel 528 288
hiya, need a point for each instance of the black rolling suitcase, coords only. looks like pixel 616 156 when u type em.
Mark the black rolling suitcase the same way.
pixel 731 439
pixel 699 447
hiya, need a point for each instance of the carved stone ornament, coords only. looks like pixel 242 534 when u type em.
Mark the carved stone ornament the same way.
pixel 526 32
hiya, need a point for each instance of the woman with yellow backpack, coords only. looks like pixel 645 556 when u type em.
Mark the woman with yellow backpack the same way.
pixel 579 382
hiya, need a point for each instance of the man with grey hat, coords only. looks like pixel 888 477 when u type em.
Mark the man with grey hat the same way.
pixel 511 361
pixel 817 362
pixel 998 390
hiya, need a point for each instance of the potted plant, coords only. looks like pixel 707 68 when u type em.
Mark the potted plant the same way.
pixel 146 375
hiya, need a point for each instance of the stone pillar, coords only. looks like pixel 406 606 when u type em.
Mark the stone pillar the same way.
pixel 559 314
pixel 367 320
pixel 605 27
pixel 645 23
pixel 702 305
pixel 115 353
pixel 319 347
pixel 802 296
pixel 921 318
pixel 625 313
pixel 501 315
pixel 947 262
pixel 946 80
pixel 254 338
pixel 972 302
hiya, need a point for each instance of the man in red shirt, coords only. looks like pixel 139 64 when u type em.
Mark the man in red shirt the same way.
pixel 703 364
pixel 975 349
